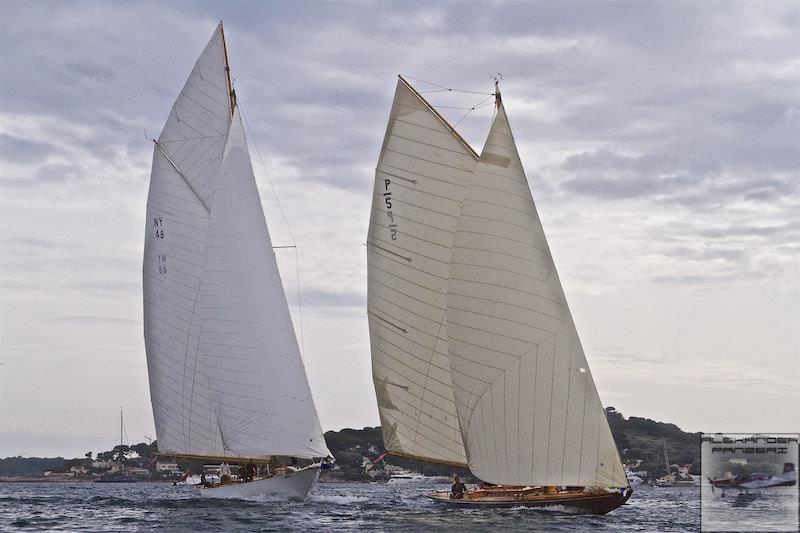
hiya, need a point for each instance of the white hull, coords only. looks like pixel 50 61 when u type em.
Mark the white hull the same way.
pixel 295 485
pixel 416 480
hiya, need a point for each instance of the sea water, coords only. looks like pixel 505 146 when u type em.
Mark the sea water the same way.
pixel 331 507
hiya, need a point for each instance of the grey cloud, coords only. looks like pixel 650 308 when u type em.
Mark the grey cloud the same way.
pixel 323 298
pixel 58 173
pixel 93 71
pixel 628 187
pixel 650 163
pixel 707 253
pixel 671 178
pixel 758 190
pixel 791 229
pixel 87 319
pixel 34 243
pixel 18 150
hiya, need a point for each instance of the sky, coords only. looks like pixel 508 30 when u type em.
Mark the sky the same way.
pixel 661 142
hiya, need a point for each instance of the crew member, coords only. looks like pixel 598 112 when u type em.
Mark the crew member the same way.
pixel 224 473
pixel 458 489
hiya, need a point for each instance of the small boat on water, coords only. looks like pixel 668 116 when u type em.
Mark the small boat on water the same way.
pixel 476 360
pixel 670 479
pixel 758 480
pixel 227 380
pixel 407 477
pixel 633 479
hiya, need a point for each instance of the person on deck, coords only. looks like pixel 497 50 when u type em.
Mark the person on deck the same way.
pixel 249 471
pixel 458 489
pixel 224 472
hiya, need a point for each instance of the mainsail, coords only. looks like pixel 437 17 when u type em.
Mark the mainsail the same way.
pixel 527 404
pixel 226 376
pixel 420 180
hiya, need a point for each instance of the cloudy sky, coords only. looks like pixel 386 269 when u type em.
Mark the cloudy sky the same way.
pixel 660 140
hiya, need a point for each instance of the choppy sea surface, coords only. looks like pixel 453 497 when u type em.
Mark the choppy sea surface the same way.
pixel 331 507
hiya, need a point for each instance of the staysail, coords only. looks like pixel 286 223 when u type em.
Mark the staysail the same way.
pixel 260 396
pixel 223 361
pixel 527 405
pixel 420 180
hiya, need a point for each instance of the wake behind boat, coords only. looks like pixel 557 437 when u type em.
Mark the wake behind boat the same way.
pixel 227 380
pixel 476 359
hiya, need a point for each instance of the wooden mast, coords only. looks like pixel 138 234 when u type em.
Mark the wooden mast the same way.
pixel 231 92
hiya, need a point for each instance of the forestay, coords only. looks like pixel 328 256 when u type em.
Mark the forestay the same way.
pixel 527 404
pixel 193 140
pixel 419 184
pixel 259 390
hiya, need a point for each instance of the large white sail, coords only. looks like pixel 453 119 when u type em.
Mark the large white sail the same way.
pixel 193 140
pixel 226 376
pixel 260 396
pixel 420 181
pixel 527 404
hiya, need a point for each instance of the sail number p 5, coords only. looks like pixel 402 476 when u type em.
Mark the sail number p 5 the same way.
pixel 387 199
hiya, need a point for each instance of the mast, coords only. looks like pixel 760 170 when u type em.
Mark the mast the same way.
pixel 120 426
pixel 231 92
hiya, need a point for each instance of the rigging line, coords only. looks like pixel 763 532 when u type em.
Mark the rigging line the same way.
pixel 266 171
pixel 480 104
pixel 289 229
pixel 443 88
pixel 451 107
pixel 299 301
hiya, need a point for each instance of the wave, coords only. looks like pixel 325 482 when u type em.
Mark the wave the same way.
pixel 337 499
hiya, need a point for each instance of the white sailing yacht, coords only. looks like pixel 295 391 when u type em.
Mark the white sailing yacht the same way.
pixel 227 380
pixel 476 359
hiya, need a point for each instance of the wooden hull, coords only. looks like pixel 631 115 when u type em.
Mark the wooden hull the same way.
pixel 525 497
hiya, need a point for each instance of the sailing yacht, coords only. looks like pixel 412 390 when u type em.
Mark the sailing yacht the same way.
pixel 476 359
pixel 227 381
